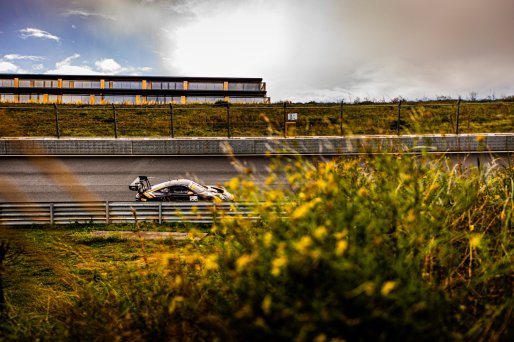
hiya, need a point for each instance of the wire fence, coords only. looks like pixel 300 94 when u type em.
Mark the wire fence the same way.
pixel 284 119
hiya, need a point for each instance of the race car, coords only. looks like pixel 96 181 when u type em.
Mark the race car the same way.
pixel 177 190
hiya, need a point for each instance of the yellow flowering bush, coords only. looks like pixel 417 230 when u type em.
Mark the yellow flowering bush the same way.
pixel 376 248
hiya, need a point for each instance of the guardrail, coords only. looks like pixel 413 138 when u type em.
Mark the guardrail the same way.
pixel 12 214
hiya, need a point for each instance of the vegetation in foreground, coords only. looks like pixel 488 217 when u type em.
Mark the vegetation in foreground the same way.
pixel 314 119
pixel 389 248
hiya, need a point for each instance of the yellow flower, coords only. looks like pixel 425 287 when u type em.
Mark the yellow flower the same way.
pixel 242 261
pixel 266 304
pixel 302 210
pixel 211 262
pixel 270 179
pixel 233 184
pixel 267 238
pixel 320 232
pixel 248 185
pixel 277 264
pixel 315 254
pixel 321 184
pixel 177 281
pixel 387 287
pixel 341 247
pixel 304 243
pixel 411 215
pixel 362 192
pixel 475 240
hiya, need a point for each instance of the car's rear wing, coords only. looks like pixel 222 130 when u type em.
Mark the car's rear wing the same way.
pixel 140 184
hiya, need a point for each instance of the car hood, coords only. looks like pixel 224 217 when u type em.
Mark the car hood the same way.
pixel 220 192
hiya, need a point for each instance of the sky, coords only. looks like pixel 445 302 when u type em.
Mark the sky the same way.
pixel 305 50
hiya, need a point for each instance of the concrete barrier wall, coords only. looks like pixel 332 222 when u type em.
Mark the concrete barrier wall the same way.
pixel 257 146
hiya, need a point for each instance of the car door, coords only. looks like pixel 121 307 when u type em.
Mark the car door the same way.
pixel 182 193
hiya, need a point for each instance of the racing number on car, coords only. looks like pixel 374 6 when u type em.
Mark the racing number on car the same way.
pixel 193 198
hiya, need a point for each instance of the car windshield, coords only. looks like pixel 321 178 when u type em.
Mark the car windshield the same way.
pixel 197 187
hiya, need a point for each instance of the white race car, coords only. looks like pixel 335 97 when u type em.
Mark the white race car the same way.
pixel 177 190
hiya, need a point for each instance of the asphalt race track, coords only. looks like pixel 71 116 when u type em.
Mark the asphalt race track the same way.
pixel 55 179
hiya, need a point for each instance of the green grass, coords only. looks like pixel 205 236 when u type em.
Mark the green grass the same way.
pixel 252 120
pixel 382 248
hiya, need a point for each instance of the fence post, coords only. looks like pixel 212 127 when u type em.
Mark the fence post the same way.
pixel 228 121
pixel 285 119
pixel 457 114
pixel 160 212
pixel 341 118
pixel 57 129
pixel 115 122
pixel 399 117
pixel 171 122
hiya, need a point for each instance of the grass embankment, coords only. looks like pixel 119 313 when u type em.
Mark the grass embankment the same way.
pixel 387 248
pixel 251 120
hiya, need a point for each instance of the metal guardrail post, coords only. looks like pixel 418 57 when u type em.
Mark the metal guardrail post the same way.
pixel 51 213
pixel 107 212
pixel 399 118
pixel 115 122
pixel 457 114
pixel 160 212
pixel 172 129
pixel 341 118
pixel 57 128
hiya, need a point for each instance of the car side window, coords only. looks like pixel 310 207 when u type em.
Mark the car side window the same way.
pixel 179 190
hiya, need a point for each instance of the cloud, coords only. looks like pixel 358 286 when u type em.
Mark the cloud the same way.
pixel 8 67
pixel 14 56
pixel 330 49
pixel 102 66
pixel 65 67
pixel 38 67
pixel 85 14
pixel 30 32
pixel 108 66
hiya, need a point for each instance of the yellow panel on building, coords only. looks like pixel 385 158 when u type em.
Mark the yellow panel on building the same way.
pixel 102 84
pixel 183 100
pixel 143 86
pixel 16 82
pixel 45 98
pixel 186 85
pixel 92 99
pixel 138 99
pixel 225 86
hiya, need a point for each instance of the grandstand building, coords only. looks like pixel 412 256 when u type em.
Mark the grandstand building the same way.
pixel 103 89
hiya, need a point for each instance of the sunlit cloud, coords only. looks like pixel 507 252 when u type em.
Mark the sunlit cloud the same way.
pixel 30 32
